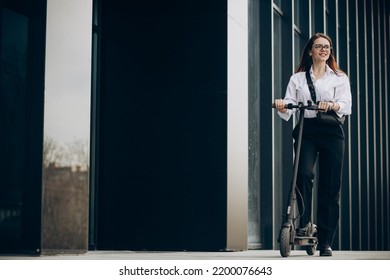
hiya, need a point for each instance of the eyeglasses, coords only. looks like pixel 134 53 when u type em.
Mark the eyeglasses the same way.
pixel 322 47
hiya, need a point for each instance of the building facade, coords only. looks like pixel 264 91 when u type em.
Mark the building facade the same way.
pixel 148 126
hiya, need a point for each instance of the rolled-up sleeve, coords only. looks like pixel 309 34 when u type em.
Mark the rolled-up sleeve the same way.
pixel 290 97
pixel 343 96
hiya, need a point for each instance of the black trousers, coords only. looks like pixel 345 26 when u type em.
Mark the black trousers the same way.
pixel 325 142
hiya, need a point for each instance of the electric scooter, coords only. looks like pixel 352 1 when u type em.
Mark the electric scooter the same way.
pixel 287 234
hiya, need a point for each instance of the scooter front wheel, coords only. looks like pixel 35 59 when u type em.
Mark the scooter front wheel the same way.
pixel 285 246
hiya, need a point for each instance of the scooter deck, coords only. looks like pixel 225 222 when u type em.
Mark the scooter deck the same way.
pixel 305 240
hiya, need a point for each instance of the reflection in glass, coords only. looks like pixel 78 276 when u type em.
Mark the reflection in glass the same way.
pixel 65 180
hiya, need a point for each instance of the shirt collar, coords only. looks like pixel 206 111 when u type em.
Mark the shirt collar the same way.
pixel 328 70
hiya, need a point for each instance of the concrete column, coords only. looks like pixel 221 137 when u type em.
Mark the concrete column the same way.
pixel 237 207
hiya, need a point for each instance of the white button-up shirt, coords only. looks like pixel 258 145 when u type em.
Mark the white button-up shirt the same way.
pixel 330 87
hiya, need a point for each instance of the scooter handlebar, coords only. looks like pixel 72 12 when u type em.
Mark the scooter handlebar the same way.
pixel 300 105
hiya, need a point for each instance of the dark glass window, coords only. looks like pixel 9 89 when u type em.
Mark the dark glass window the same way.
pixel 14 28
pixel 21 123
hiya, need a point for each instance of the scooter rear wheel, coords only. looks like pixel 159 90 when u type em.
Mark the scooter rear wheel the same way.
pixel 311 250
pixel 285 246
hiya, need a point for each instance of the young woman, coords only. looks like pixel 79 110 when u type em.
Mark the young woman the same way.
pixel 320 140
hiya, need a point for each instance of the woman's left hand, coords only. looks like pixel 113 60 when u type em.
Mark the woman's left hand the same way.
pixel 325 106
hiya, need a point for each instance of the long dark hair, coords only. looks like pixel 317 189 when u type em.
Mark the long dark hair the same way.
pixel 306 60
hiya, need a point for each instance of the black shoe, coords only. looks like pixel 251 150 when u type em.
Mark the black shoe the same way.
pixel 325 251
pixel 304 231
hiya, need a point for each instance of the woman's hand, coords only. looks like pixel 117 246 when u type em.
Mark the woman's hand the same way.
pixel 325 106
pixel 280 105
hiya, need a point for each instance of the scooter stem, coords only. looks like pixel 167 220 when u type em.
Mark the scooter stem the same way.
pixel 292 196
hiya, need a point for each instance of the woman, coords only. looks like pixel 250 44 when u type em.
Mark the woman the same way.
pixel 320 140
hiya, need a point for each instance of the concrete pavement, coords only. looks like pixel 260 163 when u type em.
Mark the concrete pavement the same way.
pixel 230 255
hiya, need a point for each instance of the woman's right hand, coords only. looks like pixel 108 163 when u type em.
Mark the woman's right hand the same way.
pixel 280 105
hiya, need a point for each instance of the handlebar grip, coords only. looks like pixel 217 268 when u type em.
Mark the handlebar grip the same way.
pixel 286 106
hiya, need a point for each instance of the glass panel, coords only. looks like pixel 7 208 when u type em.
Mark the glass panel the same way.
pixel 279 3
pixel 278 93
pixel 296 12
pixel 297 48
pixel 13 122
pixel 278 55
pixel 313 16
pixel 328 24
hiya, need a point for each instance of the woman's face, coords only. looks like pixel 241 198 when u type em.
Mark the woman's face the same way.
pixel 320 51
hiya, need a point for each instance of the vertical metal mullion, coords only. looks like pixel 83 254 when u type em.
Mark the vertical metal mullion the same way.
pixel 310 17
pixel 94 147
pixel 358 90
pixel 372 113
pixel 381 121
pixel 367 125
pixel 379 114
pixel 349 126
pixel 386 28
pixel 274 167
pixel 359 176
pixel 337 27
pixel 348 39
pixel 274 226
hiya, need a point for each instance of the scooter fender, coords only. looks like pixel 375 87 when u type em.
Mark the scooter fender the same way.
pixel 292 231
pixel 287 225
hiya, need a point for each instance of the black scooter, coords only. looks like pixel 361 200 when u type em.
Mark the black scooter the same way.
pixel 287 234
